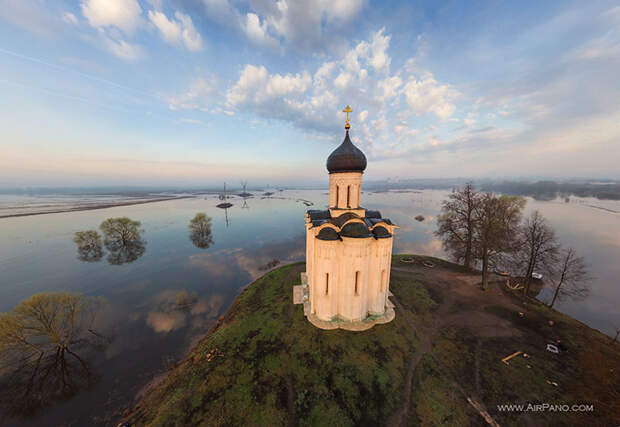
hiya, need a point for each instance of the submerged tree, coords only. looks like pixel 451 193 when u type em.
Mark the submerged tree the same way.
pixel 537 247
pixel 88 245
pixel 39 344
pixel 456 225
pixel 200 231
pixel 122 238
pixel 496 223
pixel 571 276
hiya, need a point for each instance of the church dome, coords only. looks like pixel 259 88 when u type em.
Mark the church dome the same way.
pixel 346 158
pixel 356 230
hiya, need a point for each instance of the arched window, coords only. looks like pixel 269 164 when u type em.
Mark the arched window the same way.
pixel 326 283
pixel 357 283
pixel 348 196
pixel 337 194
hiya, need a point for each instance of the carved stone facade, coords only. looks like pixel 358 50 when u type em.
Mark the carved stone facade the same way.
pixel 348 252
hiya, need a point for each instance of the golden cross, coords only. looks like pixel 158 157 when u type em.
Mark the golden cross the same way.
pixel 347 110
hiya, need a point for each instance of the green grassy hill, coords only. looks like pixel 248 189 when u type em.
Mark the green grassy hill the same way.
pixel 265 364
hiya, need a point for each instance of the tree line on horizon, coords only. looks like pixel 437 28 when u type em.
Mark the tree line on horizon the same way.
pixel 487 231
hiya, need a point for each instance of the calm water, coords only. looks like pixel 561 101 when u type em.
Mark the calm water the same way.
pixel 146 331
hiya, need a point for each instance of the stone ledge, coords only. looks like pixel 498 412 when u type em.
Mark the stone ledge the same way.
pixel 298 294
pixel 360 325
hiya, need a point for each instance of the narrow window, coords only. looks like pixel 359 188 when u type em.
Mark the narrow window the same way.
pixel 337 193
pixel 357 283
pixel 382 280
pixel 348 196
pixel 326 283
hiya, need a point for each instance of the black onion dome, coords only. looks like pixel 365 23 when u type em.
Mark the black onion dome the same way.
pixel 346 158
pixel 328 234
pixel 381 233
pixel 356 230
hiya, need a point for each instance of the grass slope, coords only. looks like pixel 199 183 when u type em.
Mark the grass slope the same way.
pixel 265 364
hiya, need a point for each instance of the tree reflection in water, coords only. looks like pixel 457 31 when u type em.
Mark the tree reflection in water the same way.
pixel 122 253
pixel 39 344
pixel 200 231
pixel 89 245
pixel 122 239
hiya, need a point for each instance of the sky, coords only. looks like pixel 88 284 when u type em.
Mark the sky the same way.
pixel 197 92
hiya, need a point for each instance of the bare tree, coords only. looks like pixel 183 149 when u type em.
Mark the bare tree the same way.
pixel 88 245
pixel 121 229
pixel 496 223
pixel 45 321
pixel 455 225
pixel 122 238
pixel 572 277
pixel 39 341
pixel 537 247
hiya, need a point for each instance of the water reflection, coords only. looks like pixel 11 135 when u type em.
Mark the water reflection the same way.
pixel 45 340
pixel 122 239
pixel 225 206
pixel 245 201
pixel 89 245
pixel 200 231
pixel 144 317
pixel 226 263
pixel 122 253
pixel 174 309
pixel 245 195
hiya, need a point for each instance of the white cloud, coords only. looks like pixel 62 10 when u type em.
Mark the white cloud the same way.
pixel 191 38
pixel 123 14
pixel 179 31
pixel 307 25
pixel 69 18
pixel 200 96
pixel 360 77
pixel 251 78
pixel 362 116
pixel 257 32
pixel 388 88
pixel 169 30
pixel 191 121
pixel 426 95
pixel 606 46
pixel 343 80
pixel 255 87
pixel 375 51
pixel 278 85
pixel 122 49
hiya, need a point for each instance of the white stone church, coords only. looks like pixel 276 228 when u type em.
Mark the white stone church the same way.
pixel 348 251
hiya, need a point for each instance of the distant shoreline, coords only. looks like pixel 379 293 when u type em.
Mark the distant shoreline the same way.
pixel 97 206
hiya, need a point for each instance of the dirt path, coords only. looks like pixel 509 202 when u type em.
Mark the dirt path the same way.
pixel 425 336
pixel 452 287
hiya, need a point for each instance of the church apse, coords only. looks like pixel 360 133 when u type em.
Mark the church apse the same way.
pixel 348 251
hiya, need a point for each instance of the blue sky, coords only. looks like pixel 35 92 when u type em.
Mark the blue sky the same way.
pixel 156 92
